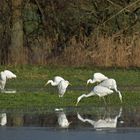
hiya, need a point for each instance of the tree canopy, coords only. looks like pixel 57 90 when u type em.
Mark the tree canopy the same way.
pixel 42 30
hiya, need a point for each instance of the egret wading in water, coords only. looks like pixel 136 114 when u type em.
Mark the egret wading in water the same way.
pixel 4 75
pixel 97 77
pixel 111 84
pixel 55 81
pixel 98 90
pixel 62 86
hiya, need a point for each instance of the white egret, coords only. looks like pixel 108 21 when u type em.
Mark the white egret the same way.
pixel 55 81
pixel 3 119
pixel 106 122
pixel 97 90
pixel 97 77
pixel 4 75
pixel 62 86
pixel 111 84
pixel 62 119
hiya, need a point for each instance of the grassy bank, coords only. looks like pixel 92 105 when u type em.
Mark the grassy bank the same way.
pixel 31 92
pixel 48 101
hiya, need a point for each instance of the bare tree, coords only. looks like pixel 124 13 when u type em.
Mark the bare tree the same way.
pixel 16 48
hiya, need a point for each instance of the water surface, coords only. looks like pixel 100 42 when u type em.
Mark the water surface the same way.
pixel 71 123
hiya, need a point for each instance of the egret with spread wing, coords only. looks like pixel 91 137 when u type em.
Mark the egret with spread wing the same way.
pixel 97 77
pixel 111 84
pixel 4 75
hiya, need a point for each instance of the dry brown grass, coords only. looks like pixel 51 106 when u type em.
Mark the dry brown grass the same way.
pixel 136 54
pixel 102 51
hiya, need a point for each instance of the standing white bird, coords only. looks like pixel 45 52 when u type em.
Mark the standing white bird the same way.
pixel 62 86
pixel 97 90
pixel 4 75
pixel 97 77
pixel 111 84
pixel 55 81
pixel 62 119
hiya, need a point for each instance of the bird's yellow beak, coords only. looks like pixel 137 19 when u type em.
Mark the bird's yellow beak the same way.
pixel 46 84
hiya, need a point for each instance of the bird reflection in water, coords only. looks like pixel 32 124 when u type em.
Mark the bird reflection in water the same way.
pixel 62 119
pixel 3 119
pixel 105 122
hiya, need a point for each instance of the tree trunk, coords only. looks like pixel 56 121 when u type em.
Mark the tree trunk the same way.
pixel 16 49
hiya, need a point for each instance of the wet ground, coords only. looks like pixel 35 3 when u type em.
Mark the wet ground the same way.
pixel 71 123
pixel 120 123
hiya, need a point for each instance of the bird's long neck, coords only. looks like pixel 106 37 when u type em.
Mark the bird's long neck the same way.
pixel 85 95
pixel 86 120
pixel 118 116
pixel 90 121
pixel 92 81
pixel 120 113
pixel 82 96
pixel 120 95
pixel 52 82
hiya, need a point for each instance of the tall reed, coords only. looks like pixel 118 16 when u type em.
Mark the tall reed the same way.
pixel 101 51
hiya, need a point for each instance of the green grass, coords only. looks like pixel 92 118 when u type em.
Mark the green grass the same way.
pixel 49 101
pixel 31 92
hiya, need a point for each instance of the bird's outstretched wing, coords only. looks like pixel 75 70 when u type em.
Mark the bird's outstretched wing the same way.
pixel 9 74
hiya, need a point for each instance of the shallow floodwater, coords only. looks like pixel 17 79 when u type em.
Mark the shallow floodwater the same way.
pixel 71 123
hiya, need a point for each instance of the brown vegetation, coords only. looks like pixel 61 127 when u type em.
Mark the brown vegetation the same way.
pixel 84 32
pixel 104 52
